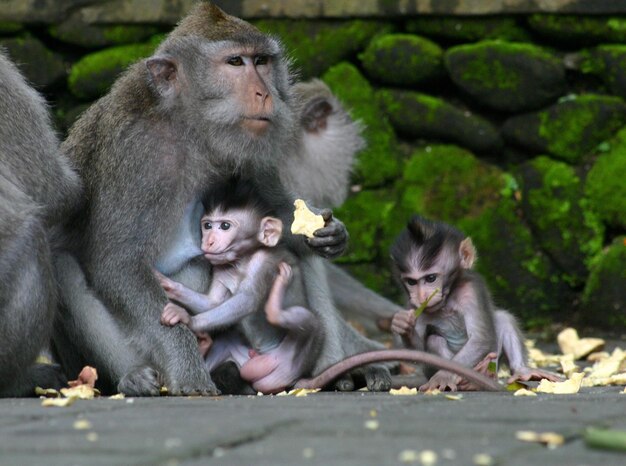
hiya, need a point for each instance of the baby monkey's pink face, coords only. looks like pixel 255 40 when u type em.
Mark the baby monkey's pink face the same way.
pixel 227 235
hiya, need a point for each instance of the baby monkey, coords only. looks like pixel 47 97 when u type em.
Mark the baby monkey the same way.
pixel 459 322
pixel 255 309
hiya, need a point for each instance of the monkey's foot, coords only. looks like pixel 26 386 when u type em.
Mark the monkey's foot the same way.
pixel 527 373
pixel 141 381
pixel 442 380
pixel 47 376
pixel 483 368
pixel 202 386
pixel 377 378
pixel 344 384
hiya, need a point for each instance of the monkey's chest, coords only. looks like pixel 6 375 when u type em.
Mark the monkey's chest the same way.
pixel 450 326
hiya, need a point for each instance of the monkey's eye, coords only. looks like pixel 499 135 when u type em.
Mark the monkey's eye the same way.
pixel 261 60
pixel 224 226
pixel 430 278
pixel 207 225
pixel 235 61
pixel 410 281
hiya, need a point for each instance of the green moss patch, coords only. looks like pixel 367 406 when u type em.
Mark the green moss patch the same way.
pixel 569 129
pixel 417 116
pixel 506 76
pixel 468 29
pixel 604 298
pixel 315 46
pixel 605 184
pixel 402 59
pixel 560 216
pixel 9 27
pixel 41 66
pixel 575 29
pixel 90 36
pixel 608 62
pixel 378 162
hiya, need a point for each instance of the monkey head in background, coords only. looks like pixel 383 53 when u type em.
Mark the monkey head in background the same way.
pixel 215 100
pixel 459 321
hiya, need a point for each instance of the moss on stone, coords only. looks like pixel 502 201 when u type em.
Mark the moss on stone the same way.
pixel 402 59
pixel 9 27
pixel 468 29
pixel 86 35
pixel 450 184
pixel 365 214
pixel 579 29
pixel 605 184
pixel 560 216
pixel 41 66
pixel 569 129
pixel 315 46
pixel 608 62
pixel 604 297
pixel 506 76
pixel 378 162
pixel 416 116
pixel 92 75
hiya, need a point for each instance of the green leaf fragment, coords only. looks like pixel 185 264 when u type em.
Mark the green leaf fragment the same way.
pixel 424 305
pixel 606 439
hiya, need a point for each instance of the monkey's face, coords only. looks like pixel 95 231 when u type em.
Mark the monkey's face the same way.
pixel 428 284
pixel 227 236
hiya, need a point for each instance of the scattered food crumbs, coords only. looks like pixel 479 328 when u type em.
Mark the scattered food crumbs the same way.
pixel 373 413
pixel 428 458
pixel 454 397
pixel 308 453
pixel 219 452
pixel 82 424
pixel 259 393
pixel 372 424
pixel 408 456
pixel 433 392
pixel 483 459
pixel 92 437
pixel 570 343
pixel 163 391
pixel 118 396
pixel 572 385
pixel 524 392
pixel 84 392
pixel 567 365
pixel 130 400
pixel 550 439
pixel 623 392
pixel 597 356
pixel 404 390
pixel 58 402
pixel 47 392
pixel 305 222
pixel 283 393
pixel 303 391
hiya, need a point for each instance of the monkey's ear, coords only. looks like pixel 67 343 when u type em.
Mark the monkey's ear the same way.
pixel 270 231
pixel 164 74
pixel 467 251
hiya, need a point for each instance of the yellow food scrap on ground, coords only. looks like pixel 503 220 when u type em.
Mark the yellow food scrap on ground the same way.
pixel 551 439
pixel 47 392
pixel 541 359
pixel 404 390
pixel 570 343
pixel 408 456
pixel 118 396
pixel 428 458
pixel 82 424
pixel 371 424
pixel 572 385
pixel 433 392
pixel 524 392
pixel 454 397
pixel 303 391
pixel 305 222
pixel 84 392
pixel 483 459
pixel 598 356
pixel 58 402
pixel 567 365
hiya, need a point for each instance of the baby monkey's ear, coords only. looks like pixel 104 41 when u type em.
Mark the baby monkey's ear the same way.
pixel 270 231
pixel 467 252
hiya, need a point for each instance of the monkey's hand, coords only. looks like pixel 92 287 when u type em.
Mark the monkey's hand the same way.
pixel 403 324
pixel 172 289
pixel 284 272
pixel 525 374
pixel 204 343
pixel 173 314
pixel 442 380
pixel 332 240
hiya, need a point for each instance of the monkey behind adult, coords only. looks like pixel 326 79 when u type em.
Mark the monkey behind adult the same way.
pixel 215 100
pixel 434 263
pixel 256 293
pixel 37 190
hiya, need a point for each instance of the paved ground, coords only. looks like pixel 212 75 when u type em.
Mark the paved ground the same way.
pixel 323 428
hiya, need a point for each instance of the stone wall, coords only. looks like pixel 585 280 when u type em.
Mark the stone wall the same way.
pixel 511 126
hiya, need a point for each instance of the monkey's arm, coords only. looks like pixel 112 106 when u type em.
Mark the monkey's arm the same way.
pixel 191 300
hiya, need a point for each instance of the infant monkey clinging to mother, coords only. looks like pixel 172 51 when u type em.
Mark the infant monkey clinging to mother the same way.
pixel 459 321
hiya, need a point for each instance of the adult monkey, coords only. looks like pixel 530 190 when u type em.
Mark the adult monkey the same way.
pixel 38 189
pixel 213 101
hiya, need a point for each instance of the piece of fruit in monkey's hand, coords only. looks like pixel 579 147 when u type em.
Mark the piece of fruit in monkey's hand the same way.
pixel 305 222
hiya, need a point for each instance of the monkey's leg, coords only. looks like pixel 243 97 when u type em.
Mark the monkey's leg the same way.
pixel 511 347
pixel 353 298
pixel 86 334
pixel 27 299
